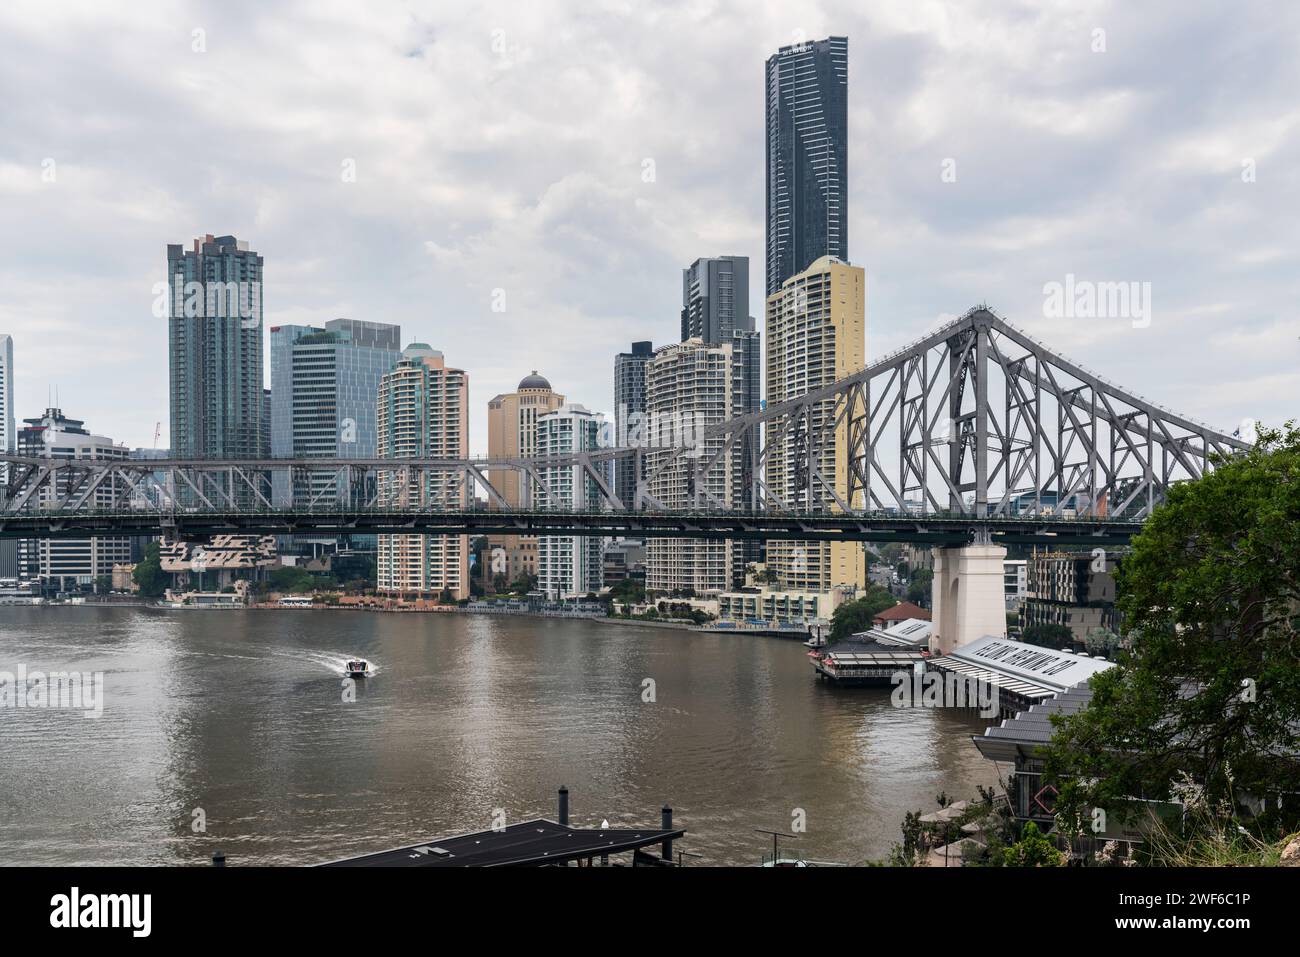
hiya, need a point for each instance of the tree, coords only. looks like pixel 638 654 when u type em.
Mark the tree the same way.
pixel 856 616
pixel 1210 596
pixel 627 591
pixel 1048 635
pixel 445 597
pixel 919 589
pixel 905 854
pixel 1102 641
pixel 148 573
pixel 1032 850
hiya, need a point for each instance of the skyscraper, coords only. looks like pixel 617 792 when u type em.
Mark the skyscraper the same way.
pixel 215 349
pixel 816 334
pixel 715 310
pixel 807 157
pixel 629 409
pixel 423 412
pixel 690 386
pixel 324 384
pixel 512 434
pixel 568 566
pixel 715 298
pixel 8 440
pixel 8 432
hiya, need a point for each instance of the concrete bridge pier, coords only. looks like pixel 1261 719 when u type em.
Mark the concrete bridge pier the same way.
pixel 968 595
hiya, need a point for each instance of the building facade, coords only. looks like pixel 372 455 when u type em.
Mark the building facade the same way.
pixel 8 424
pixel 629 414
pixel 715 310
pixel 689 387
pixel 715 298
pixel 807 157
pixel 1073 589
pixel 215 349
pixel 816 334
pixel 512 434
pixel 423 412
pixel 8 443
pixel 568 566
pixel 324 388
pixel 69 564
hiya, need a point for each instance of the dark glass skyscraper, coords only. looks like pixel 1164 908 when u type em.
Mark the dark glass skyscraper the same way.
pixel 807 157
pixel 629 406
pixel 715 299
pixel 215 349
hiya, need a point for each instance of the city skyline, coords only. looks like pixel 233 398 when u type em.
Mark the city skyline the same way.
pixel 588 238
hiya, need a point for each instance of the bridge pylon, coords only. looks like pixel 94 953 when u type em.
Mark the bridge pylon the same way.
pixel 968 595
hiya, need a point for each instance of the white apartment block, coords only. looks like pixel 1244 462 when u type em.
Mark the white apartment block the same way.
pixel 69 563
pixel 689 386
pixel 423 412
pixel 568 566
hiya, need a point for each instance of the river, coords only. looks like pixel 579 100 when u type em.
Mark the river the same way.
pixel 229 730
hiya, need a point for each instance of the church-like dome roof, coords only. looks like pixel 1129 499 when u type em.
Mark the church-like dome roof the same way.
pixel 534 381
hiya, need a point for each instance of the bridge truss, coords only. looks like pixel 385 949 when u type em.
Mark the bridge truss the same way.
pixel 976 422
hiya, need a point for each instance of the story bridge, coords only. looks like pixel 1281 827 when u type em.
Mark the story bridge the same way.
pixel 973 436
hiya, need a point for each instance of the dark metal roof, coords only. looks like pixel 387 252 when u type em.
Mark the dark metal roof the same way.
pixel 851 648
pixel 1030 730
pixel 534 381
pixel 530 843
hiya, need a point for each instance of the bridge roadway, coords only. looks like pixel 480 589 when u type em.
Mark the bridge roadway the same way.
pixel 951 529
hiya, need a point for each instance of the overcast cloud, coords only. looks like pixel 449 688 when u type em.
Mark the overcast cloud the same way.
pixel 502 146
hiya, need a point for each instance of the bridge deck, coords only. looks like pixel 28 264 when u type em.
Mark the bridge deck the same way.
pixel 938 529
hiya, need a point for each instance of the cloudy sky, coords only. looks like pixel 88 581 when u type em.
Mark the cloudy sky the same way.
pixel 502 146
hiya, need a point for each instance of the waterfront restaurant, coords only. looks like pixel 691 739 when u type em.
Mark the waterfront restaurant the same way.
pixel 873 656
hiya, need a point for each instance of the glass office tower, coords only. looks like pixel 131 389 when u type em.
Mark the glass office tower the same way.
pixel 807 157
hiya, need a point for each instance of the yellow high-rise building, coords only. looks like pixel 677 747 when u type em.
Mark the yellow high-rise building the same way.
pixel 816 334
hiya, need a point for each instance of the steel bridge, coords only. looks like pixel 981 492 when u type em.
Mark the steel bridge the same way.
pixel 976 432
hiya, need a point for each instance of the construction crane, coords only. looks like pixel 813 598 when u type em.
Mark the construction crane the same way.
pixel 157 431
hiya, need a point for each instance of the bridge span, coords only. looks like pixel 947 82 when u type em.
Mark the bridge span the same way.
pixel 973 437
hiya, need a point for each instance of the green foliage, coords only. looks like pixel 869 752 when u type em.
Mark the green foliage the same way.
pixel 919 589
pixel 1032 850
pixel 1210 593
pixel 855 616
pixel 148 573
pixel 1048 635
pixel 629 591
pixel 906 853
pixel 295 579
pixel 1102 641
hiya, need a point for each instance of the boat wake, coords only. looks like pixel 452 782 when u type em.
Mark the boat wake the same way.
pixel 337 662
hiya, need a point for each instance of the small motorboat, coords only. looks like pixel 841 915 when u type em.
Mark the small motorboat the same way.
pixel 357 668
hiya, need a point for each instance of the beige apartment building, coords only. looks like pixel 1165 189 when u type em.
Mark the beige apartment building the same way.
pixel 816 334
pixel 512 434
pixel 423 412
pixel 689 386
